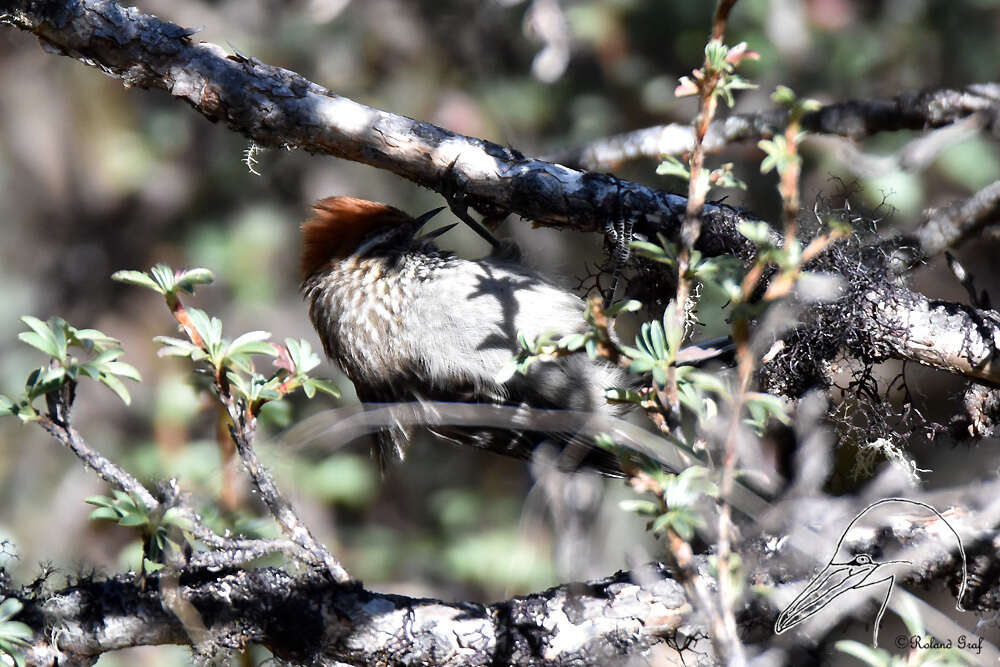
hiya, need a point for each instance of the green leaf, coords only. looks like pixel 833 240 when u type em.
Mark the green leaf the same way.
pixel 187 279
pixel 652 341
pixel 134 519
pixel 758 232
pixel 164 277
pixel 138 278
pixel 324 386
pixel 653 252
pixel 641 365
pixel 16 631
pixel 174 517
pixel 176 347
pixel 671 166
pixel 673 326
pixel 43 337
pixel 689 485
pixel 92 338
pixel 627 306
pixel 637 506
pixel 150 566
pixel 117 386
pixel 783 95
pixel 302 355
pixel 864 653
pixel 209 328
pixel 104 513
pixel 252 343
pixel 123 369
pixel 622 396
pixel 45 379
pixel 631 352
pixel 767 405
pixel 706 381
pixel 573 342
pixel 9 608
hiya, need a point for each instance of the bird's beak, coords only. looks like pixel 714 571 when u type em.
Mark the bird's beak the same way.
pixel 422 220
pixel 438 232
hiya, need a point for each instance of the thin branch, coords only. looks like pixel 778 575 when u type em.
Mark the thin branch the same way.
pixel 949 226
pixel 231 551
pixel 309 548
pixel 855 119
pixel 105 469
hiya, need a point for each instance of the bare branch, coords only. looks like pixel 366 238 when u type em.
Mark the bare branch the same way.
pixel 105 469
pixel 308 548
pixel 947 227
pixel 855 119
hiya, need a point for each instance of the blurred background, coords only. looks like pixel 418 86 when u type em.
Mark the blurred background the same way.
pixel 96 178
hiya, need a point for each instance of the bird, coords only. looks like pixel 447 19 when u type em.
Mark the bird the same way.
pixel 406 320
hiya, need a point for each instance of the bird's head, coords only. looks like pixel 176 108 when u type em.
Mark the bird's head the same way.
pixel 344 226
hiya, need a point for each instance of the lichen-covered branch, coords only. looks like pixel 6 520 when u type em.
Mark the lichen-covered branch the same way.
pixel 308 619
pixel 855 119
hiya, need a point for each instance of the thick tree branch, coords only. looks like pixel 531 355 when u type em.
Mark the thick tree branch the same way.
pixel 310 620
pixel 277 107
pixel 274 106
pixel 855 119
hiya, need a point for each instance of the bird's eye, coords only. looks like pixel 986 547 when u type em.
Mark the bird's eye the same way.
pixel 862 559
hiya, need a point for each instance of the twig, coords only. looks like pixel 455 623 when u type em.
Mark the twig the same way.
pixel 950 225
pixel 310 549
pixel 855 119
pixel 105 469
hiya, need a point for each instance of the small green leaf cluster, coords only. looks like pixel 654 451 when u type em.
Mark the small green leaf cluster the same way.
pixel 551 345
pixel 721 177
pixel 230 363
pixel 762 408
pixel 780 151
pixel 162 279
pixel 677 497
pixel 797 107
pixel 722 271
pixel 14 635
pixel 154 525
pixel 63 342
pixel 720 61
pixel 788 257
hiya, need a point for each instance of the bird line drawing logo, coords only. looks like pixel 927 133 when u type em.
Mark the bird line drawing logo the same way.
pixel 847 571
